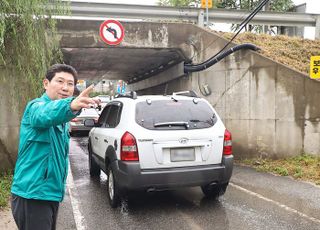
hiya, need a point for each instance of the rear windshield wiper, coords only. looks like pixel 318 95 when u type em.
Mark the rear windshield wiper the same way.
pixel 172 123
pixel 210 120
pixel 197 121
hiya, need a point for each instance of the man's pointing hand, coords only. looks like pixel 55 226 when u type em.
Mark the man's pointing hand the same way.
pixel 84 101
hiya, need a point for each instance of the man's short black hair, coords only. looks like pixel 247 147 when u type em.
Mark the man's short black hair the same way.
pixel 58 68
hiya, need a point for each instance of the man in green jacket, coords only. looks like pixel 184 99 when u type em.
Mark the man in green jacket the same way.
pixel 42 164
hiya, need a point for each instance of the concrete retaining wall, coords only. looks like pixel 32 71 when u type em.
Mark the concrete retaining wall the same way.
pixel 270 109
pixel 9 123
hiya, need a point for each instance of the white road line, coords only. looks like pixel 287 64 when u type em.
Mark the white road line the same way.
pixel 287 208
pixel 189 219
pixel 78 217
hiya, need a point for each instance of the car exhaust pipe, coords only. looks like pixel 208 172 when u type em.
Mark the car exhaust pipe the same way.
pixel 152 189
pixel 213 183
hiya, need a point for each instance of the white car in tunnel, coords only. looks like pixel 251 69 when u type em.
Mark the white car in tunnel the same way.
pixel 160 142
pixel 104 99
pixel 76 125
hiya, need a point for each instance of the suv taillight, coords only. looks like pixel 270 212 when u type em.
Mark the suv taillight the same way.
pixel 129 148
pixel 227 143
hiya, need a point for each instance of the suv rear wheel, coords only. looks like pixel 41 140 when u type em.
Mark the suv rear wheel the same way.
pixel 113 189
pixel 94 168
pixel 215 190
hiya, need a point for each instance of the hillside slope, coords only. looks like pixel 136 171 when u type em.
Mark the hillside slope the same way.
pixel 292 51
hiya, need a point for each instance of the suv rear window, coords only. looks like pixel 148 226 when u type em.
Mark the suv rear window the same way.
pixel 174 115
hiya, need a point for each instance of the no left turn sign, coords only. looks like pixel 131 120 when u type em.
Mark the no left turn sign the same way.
pixel 111 32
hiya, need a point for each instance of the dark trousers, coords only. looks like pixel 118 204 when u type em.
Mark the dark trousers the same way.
pixel 32 214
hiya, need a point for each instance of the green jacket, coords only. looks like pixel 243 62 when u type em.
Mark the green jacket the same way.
pixel 42 164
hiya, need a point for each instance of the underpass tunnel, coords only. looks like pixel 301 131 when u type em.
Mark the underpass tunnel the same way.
pixel 150 54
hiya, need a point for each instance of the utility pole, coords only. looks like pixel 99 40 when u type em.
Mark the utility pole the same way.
pixel 206 4
pixel 317 33
pixel 207 12
pixel 266 7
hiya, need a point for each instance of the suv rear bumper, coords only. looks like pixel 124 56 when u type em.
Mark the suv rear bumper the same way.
pixel 129 175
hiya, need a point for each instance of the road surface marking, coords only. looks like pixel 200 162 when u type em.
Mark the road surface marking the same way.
pixel 78 217
pixel 287 208
pixel 189 219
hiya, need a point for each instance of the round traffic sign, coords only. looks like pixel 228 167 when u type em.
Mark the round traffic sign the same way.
pixel 111 32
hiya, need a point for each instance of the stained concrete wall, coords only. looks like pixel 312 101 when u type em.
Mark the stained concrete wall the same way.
pixel 9 122
pixel 270 109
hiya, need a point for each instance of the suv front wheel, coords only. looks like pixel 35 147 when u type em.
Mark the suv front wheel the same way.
pixel 215 190
pixel 94 168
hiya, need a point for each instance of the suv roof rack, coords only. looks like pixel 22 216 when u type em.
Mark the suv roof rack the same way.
pixel 130 94
pixel 189 93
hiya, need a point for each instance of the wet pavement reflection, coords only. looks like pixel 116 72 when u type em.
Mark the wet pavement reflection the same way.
pixel 180 209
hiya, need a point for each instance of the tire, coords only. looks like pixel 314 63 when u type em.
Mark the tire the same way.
pixel 214 191
pixel 94 168
pixel 113 190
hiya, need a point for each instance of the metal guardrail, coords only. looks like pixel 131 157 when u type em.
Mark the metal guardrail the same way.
pixel 90 9
pixel 196 15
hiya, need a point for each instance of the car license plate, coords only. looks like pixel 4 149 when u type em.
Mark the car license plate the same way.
pixel 182 154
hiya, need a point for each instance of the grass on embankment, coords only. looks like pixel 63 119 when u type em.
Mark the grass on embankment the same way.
pixel 5 185
pixel 303 167
pixel 291 51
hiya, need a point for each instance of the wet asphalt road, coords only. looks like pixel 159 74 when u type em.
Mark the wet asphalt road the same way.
pixel 252 201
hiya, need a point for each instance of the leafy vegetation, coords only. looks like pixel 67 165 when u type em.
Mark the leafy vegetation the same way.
pixel 5 185
pixel 303 167
pixel 27 44
pixel 291 51
pixel 175 2
pixel 94 94
pixel 274 5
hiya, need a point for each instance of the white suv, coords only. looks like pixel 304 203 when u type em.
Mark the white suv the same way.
pixel 160 142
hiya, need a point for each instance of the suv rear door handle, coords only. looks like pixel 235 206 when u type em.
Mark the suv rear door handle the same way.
pixel 96 138
pixel 105 140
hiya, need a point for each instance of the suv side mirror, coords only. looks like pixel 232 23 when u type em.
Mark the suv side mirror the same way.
pixel 89 123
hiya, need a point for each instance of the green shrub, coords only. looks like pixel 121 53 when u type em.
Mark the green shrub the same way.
pixel 5 185
pixel 28 45
pixel 281 171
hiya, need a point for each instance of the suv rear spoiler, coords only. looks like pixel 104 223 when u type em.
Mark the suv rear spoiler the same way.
pixel 189 93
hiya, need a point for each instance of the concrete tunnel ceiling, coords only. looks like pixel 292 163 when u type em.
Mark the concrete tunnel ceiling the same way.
pixel 118 62
pixel 146 48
